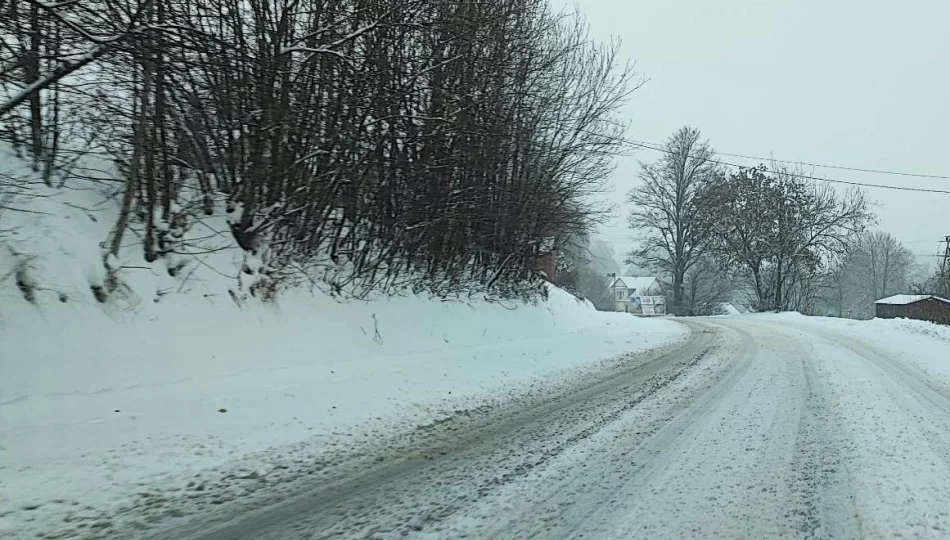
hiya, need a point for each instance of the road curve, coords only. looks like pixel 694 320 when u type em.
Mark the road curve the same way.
pixel 750 429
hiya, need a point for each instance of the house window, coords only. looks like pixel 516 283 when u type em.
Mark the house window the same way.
pixel 620 294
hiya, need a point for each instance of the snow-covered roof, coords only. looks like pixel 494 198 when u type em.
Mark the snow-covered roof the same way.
pixel 729 309
pixel 904 299
pixel 635 283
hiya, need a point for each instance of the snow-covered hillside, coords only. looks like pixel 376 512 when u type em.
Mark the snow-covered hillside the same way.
pixel 177 380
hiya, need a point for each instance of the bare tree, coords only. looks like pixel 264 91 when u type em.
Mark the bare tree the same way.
pixel 779 230
pixel 838 289
pixel 939 284
pixel 706 287
pixel 99 45
pixel 664 209
pixel 874 265
pixel 435 146
pixel 883 264
pixel 583 268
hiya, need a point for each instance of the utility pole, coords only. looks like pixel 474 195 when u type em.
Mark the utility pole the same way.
pixel 943 278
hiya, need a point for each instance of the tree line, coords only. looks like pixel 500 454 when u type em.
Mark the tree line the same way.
pixel 382 145
pixel 770 233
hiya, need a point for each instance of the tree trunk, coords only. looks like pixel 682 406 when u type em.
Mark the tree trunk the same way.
pixel 159 132
pixel 31 69
pixel 147 134
pixel 678 291
pixel 139 133
pixel 759 293
pixel 777 301
pixel 148 138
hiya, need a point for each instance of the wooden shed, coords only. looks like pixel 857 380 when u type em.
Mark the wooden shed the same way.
pixel 925 307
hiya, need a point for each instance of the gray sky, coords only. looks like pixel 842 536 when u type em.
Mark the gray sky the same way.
pixel 859 83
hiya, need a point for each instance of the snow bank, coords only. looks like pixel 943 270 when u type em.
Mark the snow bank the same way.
pixel 169 377
pixel 923 344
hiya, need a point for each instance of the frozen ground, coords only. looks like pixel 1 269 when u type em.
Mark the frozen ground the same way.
pixel 170 399
pixel 183 408
pixel 755 427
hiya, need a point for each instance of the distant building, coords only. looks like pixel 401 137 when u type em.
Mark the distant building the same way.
pixel 638 295
pixel 925 307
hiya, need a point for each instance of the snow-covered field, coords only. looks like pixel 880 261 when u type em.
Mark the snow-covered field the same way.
pixel 171 386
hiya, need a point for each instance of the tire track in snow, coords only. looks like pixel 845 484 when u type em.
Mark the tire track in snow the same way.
pixel 659 436
pixel 893 432
pixel 827 510
pixel 564 501
pixel 910 387
pixel 446 466
pixel 546 455
pixel 750 439
pixel 801 487
pixel 811 456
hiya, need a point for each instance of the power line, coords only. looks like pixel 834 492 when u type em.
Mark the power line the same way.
pixel 815 178
pixel 819 165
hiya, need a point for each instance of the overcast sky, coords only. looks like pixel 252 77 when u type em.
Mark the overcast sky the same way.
pixel 859 83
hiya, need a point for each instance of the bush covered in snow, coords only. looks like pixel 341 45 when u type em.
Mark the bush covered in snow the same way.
pixel 336 150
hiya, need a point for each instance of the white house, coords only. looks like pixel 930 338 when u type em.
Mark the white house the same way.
pixel 639 295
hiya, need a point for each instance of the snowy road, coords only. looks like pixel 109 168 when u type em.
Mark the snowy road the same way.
pixel 754 428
